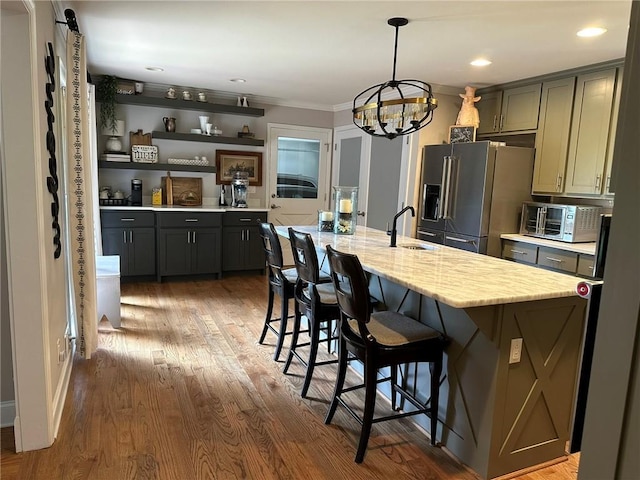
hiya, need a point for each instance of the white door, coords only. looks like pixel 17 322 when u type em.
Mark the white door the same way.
pixel 299 175
pixel 380 168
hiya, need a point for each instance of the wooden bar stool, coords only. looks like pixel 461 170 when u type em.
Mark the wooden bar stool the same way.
pixel 315 300
pixel 380 339
pixel 282 282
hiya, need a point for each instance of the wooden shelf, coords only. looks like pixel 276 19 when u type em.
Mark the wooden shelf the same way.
pixel 156 166
pixel 188 105
pixel 196 137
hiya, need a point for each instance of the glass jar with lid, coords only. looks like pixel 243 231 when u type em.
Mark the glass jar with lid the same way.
pixel 345 210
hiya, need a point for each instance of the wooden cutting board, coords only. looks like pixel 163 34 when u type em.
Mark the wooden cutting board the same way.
pixel 186 191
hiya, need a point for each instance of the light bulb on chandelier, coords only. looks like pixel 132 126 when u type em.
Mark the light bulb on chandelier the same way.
pixel 402 115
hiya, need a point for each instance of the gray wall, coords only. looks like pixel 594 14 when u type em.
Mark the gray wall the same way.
pixel 610 446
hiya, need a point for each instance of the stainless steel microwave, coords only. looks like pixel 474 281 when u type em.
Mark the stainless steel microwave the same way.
pixel 566 223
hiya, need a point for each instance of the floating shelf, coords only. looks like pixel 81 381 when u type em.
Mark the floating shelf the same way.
pixel 155 166
pixel 197 137
pixel 188 105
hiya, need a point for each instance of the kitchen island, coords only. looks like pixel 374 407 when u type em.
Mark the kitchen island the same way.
pixel 502 408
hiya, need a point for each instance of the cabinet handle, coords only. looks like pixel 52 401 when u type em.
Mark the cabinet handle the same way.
pixel 245 219
pixel 551 259
pixel 193 238
pixel 558 183
pixel 598 180
pixel 242 235
pixel 501 121
pixel 127 219
pixel 518 252
pixel 130 236
pixel 190 219
pixel 495 121
pixel 124 236
pixel 248 237
pixel 188 237
pixel 608 182
pixel 456 239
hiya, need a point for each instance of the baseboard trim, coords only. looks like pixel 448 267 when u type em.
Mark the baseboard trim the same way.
pixel 61 391
pixel 7 413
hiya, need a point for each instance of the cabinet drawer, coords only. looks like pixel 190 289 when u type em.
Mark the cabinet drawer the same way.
pixel 586 264
pixel 244 219
pixel 558 259
pixel 127 219
pixel 189 219
pixel 520 252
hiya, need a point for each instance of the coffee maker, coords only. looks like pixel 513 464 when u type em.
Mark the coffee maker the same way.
pixel 239 185
pixel 136 192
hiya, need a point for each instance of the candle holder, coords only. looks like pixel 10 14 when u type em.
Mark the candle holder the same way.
pixel 345 210
pixel 325 221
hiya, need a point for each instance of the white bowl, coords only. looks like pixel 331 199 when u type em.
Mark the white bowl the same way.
pixel 196 130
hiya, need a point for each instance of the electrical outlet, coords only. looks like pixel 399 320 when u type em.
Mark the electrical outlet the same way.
pixel 516 350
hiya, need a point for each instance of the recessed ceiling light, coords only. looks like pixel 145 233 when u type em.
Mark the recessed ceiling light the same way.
pixel 591 32
pixel 238 80
pixel 481 62
pixel 154 69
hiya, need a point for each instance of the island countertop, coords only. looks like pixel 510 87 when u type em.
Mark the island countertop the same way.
pixel 455 277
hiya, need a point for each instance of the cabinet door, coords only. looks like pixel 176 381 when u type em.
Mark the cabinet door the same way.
pixel 552 139
pixel 520 107
pixel 590 132
pixel 233 257
pixel 142 251
pixel 174 251
pixel 607 188
pixel 254 253
pixel 205 250
pixel 115 242
pixel 489 112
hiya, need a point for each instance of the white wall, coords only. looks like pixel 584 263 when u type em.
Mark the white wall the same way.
pixel 37 281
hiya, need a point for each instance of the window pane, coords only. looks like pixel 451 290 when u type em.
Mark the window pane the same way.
pixel 298 168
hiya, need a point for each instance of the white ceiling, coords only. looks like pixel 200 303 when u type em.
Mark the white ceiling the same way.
pixel 321 54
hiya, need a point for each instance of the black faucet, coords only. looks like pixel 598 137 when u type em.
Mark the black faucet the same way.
pixel 394 231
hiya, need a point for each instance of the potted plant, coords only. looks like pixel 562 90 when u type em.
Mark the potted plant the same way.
pixel 107 90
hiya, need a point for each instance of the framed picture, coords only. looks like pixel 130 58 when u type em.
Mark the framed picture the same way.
pixel 230 161
pixel 462 133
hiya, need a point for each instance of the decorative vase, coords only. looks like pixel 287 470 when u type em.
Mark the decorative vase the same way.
pixel 345 210
pixel 113 145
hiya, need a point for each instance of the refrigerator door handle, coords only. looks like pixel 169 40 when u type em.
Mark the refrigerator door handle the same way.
pixel 461 240
pixel 447 191
pixel 443 190
pixel 424 201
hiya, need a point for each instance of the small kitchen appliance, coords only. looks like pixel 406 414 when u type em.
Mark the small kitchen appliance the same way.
pixel 566 223
pixel 136 192
pixel 239 186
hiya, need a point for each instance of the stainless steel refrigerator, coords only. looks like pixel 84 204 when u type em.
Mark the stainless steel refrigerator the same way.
pixel 473 192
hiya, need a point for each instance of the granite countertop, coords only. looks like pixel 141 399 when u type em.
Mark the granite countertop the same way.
pixel 586 248
pixel 455 277
pixel 180 208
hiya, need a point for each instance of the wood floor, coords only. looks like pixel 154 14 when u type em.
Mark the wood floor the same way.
pixel 184 391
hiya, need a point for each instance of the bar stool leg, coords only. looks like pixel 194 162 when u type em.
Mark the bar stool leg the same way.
pixel 313 352
pixel 370 376
pixel 284 316
pixel 294 337
pixel 342 373
pixel 267 319
pixel 436 371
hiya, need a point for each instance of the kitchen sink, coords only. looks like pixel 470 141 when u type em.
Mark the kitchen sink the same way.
pixel 418 247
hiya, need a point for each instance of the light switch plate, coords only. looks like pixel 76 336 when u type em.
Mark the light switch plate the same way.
pixel 516 350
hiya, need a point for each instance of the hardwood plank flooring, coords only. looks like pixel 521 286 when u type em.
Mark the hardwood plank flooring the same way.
pixel 184 391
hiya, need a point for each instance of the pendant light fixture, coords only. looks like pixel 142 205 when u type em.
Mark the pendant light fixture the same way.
pixel 396 114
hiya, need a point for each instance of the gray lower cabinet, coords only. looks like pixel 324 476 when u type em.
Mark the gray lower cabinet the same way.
pixel 189 243
pixel 132 236
pixel 241 244
pixel 550 258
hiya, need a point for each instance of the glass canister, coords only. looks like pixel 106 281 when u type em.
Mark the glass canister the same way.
pixel 325 221
pixel 239 185
pixel 345 210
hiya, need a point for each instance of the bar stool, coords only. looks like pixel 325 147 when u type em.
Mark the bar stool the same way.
pixel 380 339
pixel 315 300
pixel 282 282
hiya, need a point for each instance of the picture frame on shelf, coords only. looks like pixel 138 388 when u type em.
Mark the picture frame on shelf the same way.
pixel 462 133
pixel 230 161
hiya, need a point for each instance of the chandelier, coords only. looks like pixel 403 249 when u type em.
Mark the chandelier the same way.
pixel 398 115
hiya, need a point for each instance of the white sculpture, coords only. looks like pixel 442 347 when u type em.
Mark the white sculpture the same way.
pixel 468 114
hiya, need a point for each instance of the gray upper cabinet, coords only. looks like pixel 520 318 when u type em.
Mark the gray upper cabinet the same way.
pixel 590 131
pixel 513 110
pixel 552 139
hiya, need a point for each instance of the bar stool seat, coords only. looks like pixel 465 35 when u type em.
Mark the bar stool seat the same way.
pixel 380 339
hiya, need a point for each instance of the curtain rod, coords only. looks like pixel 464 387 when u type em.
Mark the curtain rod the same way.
pixel 71 20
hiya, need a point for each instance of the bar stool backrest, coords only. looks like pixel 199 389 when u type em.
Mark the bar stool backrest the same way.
pixel 304 256
pixel 272 251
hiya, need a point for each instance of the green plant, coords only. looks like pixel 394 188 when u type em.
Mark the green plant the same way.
pixel 107 89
